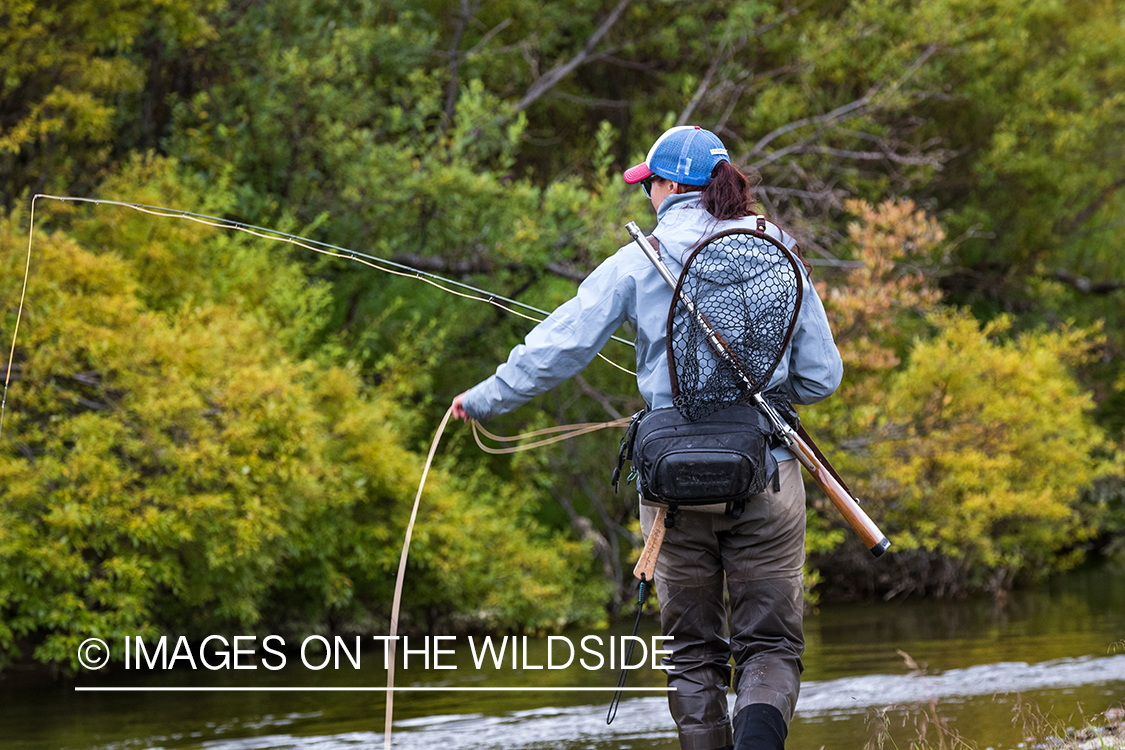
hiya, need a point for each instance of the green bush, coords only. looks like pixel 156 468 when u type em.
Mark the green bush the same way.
pixel 169 465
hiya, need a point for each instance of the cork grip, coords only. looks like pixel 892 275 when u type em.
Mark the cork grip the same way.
pixel 646 565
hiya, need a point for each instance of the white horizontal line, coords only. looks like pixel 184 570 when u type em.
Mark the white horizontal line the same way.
pixel 357 689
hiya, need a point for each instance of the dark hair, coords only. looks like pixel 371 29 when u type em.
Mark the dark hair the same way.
pixel 727 196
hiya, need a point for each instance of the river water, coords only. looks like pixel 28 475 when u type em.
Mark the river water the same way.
pixel 980 666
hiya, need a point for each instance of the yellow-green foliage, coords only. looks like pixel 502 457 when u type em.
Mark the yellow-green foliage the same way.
pixel 971 444
pixel 987 443
pixel 65 67
pixel 410 131
pixel 178 470
pixel 874 314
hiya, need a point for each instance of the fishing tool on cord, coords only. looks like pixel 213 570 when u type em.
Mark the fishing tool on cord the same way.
pixel 611 712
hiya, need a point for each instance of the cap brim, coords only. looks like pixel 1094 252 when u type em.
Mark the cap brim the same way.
pixel 633 175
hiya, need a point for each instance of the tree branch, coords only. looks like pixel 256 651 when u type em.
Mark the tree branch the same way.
pixel 725 53
pixel 1087 213
pixel 488 37
pixel 467 13
pixel 819 119
pixel 795 193
pixel 851 109
pixel 481 265
pixel 1085 285
pixel 884 434
pixel 584 527
pixel 557 73
pixel 608 57
pixel 705 84
pixel 598 396
pixel 933 161
pixel 567 271
pixel 591 102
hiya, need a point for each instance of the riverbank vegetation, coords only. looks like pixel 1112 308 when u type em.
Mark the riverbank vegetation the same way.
pixel 207 431
pixel 924 728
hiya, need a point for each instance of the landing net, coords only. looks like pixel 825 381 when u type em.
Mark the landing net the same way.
pixel 746 291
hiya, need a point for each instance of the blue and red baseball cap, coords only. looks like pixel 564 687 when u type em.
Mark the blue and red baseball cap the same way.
pixel 686 154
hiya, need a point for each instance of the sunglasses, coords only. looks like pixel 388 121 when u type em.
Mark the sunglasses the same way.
pixel 646 184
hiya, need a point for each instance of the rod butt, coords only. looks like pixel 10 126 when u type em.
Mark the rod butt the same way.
pixel 881 547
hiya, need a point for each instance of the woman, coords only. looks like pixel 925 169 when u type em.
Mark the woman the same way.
pixel 697 192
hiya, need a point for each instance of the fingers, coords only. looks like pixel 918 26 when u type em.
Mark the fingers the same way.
pixel 459 409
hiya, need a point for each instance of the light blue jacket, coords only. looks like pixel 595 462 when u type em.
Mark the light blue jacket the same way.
pixel 626 287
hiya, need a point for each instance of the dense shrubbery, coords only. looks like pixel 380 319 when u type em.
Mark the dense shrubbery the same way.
pixel 172 467
pixel 208 430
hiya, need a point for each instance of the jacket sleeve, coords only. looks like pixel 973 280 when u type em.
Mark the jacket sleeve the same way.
pixel 559 347
pixel 815 366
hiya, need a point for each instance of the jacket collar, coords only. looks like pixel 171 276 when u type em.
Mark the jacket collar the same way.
pixel 677 201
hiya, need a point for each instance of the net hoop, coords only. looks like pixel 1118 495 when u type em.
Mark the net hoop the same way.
pixel 690 397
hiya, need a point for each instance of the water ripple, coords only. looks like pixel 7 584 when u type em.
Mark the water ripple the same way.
pixel 645 723
pixel 859 693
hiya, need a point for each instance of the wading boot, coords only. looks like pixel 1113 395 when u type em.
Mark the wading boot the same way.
pixel 759 726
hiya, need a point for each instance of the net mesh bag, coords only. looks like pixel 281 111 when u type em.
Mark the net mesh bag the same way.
pixel 731 318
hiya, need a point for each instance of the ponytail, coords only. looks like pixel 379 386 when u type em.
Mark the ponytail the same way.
pixel 727 195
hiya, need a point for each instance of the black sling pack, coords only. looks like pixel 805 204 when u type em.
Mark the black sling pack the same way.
pixel 721 458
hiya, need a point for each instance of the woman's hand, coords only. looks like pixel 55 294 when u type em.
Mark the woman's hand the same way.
pixel 459 409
